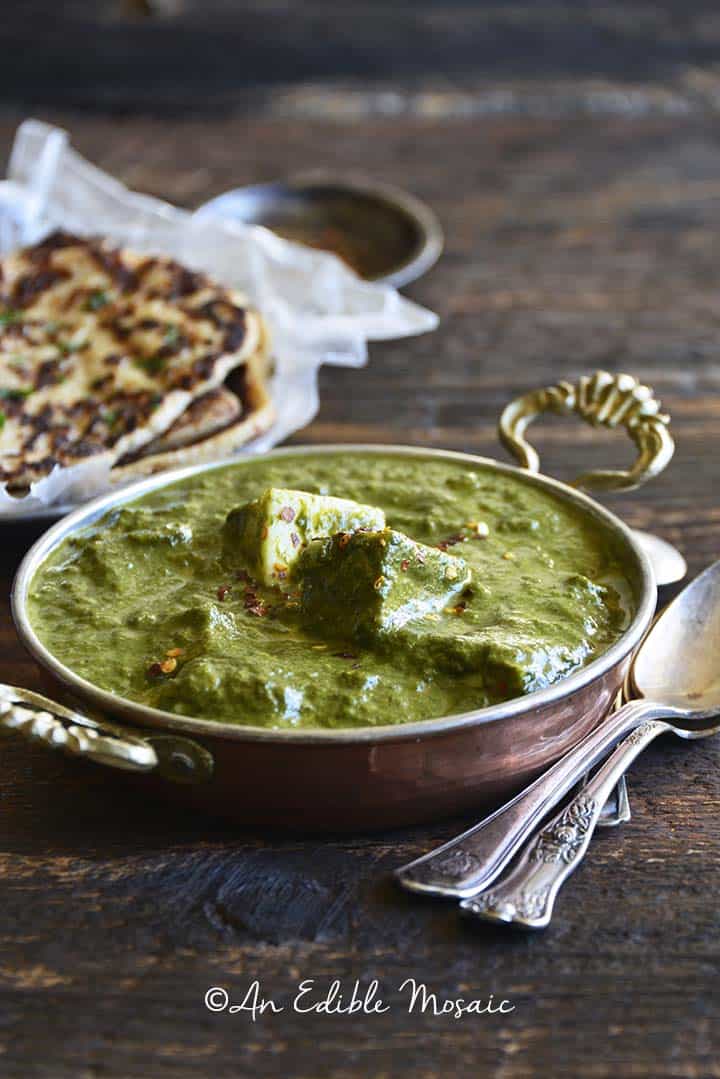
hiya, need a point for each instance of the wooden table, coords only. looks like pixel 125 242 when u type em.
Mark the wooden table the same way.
pixel 582 233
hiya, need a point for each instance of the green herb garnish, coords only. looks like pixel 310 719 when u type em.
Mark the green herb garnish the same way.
pixel 18 393
pixel 172 334
pixel 2 420
pixel 110 417
pixel 7 318
pixel 96 300
pixel 152 364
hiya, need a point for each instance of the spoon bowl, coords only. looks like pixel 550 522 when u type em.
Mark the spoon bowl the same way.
pixel 678 663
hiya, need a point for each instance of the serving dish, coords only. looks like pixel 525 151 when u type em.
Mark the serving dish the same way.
pixel 363 778
pixel 383 233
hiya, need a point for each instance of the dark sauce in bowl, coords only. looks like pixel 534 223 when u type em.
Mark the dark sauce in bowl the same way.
pixel 381 233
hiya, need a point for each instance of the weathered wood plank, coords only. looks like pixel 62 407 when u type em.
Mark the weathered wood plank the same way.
pixel 179 54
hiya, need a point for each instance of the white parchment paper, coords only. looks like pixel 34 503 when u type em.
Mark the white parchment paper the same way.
pixel 318 309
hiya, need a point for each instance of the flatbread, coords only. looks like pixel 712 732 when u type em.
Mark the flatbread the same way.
pixel 214 411
pixel 249 384
pixel 102 349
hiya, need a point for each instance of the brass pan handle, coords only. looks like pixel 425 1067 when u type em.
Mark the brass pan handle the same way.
pixel 38 719
pixel 601 399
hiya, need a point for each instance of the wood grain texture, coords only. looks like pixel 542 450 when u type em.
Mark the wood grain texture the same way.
pixel 570 245
pixel 206 55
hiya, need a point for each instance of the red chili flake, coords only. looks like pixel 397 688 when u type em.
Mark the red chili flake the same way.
pixel 459 607
pixel 294 539
pixel 458 537
pixel 405 565
pixel 223 591
pixel 264 532
pixel 343 540
pixel 168 665
pixel 287 513
pixel 253 604
pixel 155 670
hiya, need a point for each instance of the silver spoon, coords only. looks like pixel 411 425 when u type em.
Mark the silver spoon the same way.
pixel 679 664
pixel 676 670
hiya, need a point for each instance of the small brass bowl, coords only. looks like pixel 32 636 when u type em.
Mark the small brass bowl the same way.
pixel 383 233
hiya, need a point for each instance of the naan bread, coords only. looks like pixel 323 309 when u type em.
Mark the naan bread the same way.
pixel 248 385
pixel 206 415
pixel 102 349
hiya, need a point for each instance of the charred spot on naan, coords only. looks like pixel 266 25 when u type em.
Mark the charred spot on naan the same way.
pixel 102 350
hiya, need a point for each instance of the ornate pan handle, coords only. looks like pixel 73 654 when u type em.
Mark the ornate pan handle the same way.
pixel 603 400
pixel 53 725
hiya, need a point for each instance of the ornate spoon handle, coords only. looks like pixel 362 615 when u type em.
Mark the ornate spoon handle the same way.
pixel 526 896
pixel 468 864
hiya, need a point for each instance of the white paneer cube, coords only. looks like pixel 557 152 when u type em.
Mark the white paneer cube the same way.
pixel 269 533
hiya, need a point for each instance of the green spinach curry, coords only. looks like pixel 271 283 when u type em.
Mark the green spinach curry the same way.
pixel 256 594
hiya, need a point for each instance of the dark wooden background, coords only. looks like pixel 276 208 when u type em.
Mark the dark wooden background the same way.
pixel 572 152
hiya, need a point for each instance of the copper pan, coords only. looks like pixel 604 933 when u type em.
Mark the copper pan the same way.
pixel 373 777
